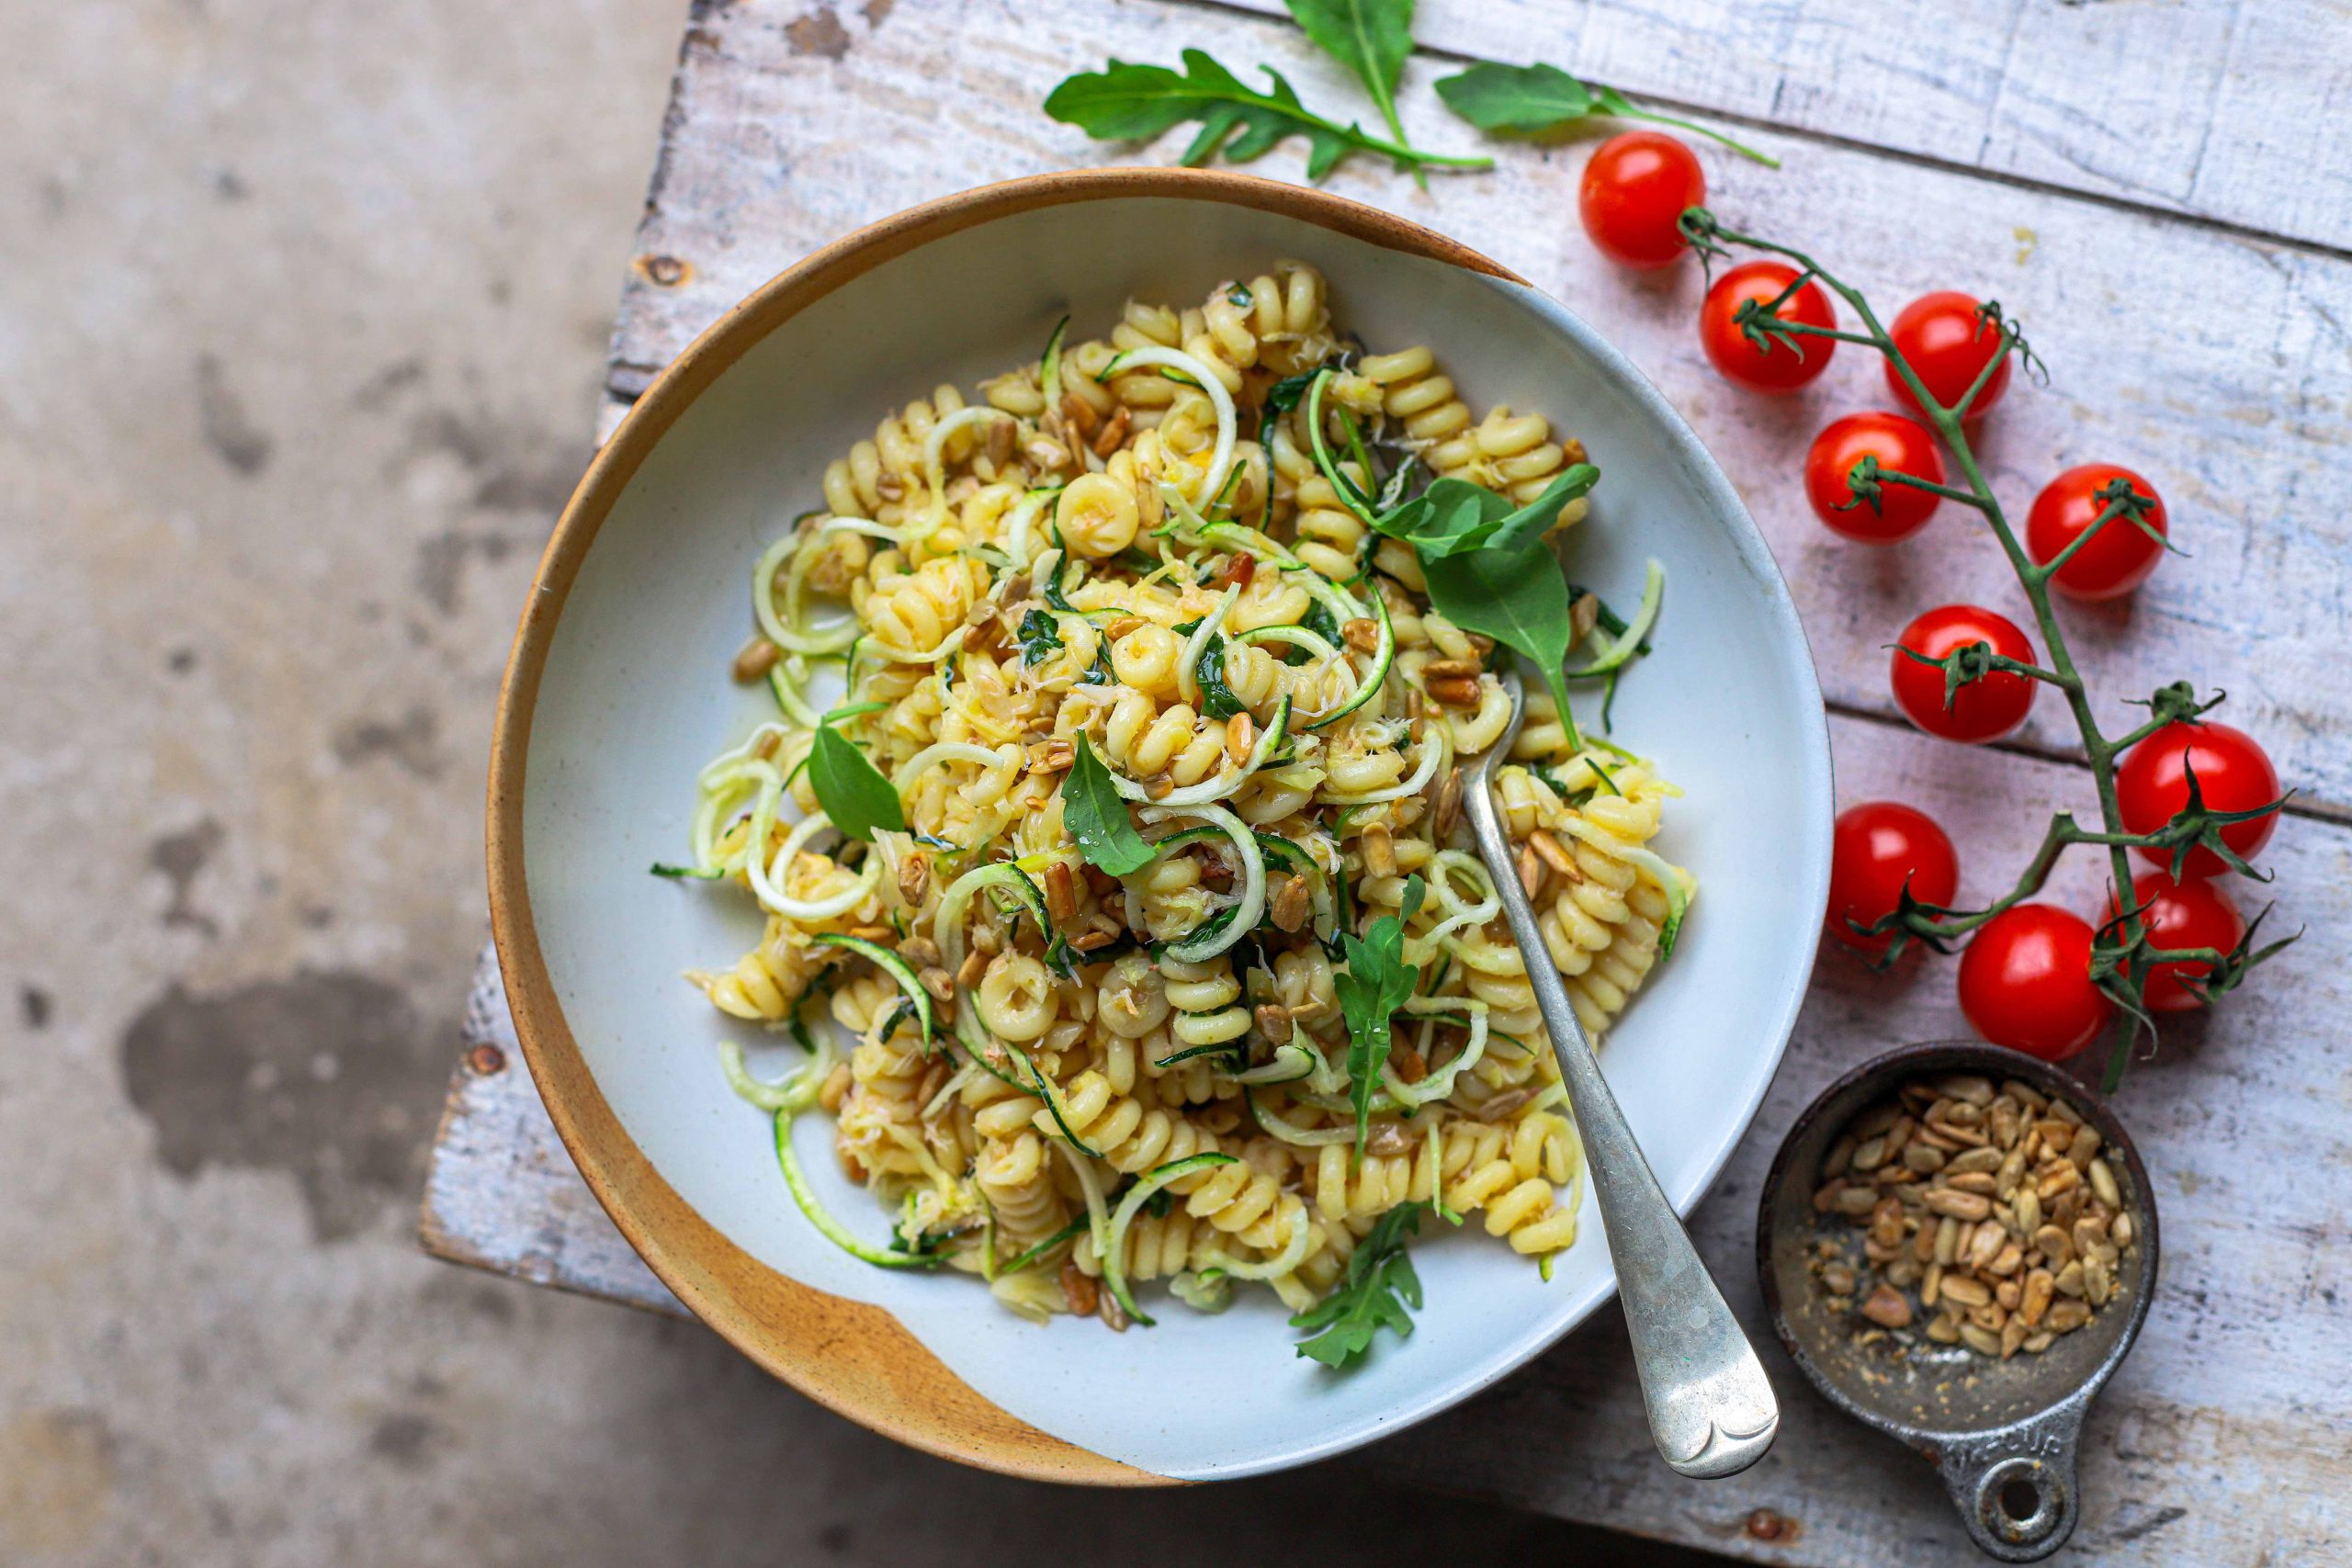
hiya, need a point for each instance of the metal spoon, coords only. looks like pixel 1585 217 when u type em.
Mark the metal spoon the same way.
pixel 1711 1407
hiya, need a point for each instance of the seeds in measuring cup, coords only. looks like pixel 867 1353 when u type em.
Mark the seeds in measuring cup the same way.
pixel 1988 1217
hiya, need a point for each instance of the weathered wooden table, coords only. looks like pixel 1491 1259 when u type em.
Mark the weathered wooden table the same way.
pixel 2163 192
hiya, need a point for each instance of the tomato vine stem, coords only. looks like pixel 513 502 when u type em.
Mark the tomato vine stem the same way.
pixel 2120 968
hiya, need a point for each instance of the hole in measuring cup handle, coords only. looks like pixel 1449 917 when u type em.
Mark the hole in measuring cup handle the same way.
pixel 2020 1499
pixel 2017 1507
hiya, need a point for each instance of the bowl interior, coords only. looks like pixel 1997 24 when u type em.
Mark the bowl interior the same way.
pixel 1929 1388
pixel 634 695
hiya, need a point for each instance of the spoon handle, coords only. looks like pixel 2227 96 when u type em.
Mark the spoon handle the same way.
pixel 1711 1407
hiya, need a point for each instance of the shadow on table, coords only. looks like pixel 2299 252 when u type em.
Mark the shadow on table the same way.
pixel 758 1470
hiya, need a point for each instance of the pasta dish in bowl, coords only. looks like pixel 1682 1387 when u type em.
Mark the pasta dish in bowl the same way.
pixel 1148 564
pixel 1071 883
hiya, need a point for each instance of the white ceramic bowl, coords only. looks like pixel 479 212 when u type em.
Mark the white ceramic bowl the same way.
pixel 619 692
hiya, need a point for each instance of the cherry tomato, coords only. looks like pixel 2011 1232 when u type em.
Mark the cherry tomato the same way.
pixel 1636 187
pixel 2233 774
pixel 1898 443
pixel 2025 982
pixel 2111 565
pixel 1786 368
pixel 1940 335
pixel 1878 848
pixel 2193 913
pixel 1985 709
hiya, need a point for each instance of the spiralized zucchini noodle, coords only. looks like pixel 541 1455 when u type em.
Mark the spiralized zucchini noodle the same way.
pixel 1126 555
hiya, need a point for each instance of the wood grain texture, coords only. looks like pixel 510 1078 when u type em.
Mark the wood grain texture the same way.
pixel 2223 109
pixel 2219 366
pixel 501 1193
pixel 2235 1409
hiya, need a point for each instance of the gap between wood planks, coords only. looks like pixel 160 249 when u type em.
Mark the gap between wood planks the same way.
pixel 2335 815
pixel 1878 150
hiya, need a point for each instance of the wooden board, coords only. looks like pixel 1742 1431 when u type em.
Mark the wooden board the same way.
pixel 2228 1434
pixel 2223 109
pixel 2225 1438
pixel 2219 366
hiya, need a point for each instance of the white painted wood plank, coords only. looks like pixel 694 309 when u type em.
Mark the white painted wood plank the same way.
pixel 2219 366
pixel 500 1192
pixel 2235 1409
pixel 2228 109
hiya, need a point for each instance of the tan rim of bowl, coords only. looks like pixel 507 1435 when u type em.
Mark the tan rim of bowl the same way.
pixel 855 1359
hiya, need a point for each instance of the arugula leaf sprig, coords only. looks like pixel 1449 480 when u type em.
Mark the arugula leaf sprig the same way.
pixel 1533 99
pixel 857 798
pixel 1486 562
pixel 1097 818
pixel 1454 517
pixel 1040 637
pixel 1134 103
pixel 1380 1286
pixel 1376 982
pixel 1372 40
pixel 1520 599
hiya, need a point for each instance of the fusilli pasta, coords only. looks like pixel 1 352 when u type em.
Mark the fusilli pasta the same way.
pixel 1133 549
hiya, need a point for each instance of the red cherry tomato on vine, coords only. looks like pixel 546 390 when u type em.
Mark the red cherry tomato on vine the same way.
pixel 2120 559
pixel 1986 708
pixel 2233 774
pixel 2025 982
pixel 1636 187
pixel 2193 913
pixel 1792 361
pixel 1879 846
pixel 1949 346
pixel 1900 443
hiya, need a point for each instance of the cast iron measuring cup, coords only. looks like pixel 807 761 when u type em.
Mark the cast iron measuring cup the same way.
pixel 2002 1434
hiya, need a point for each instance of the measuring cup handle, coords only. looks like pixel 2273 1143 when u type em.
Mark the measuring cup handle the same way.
pixel 2015 1488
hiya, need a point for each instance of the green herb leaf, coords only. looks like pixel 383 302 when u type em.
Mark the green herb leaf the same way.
pixel 1281 398
pixel 1217 700
pixel 1536 98
pixel 1051 588
pixel 1379 1289
pixel 1370 37
pixel 1285 394
pixel 1376 982
pixel 1040 637
pixel 851 790
pixel 1097 818
pixel 1517 98
pixel 1134 103
pixel 1453 516
pixel 1518 597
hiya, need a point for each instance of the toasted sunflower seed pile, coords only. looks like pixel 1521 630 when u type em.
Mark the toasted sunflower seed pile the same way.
pixel 1989 1217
